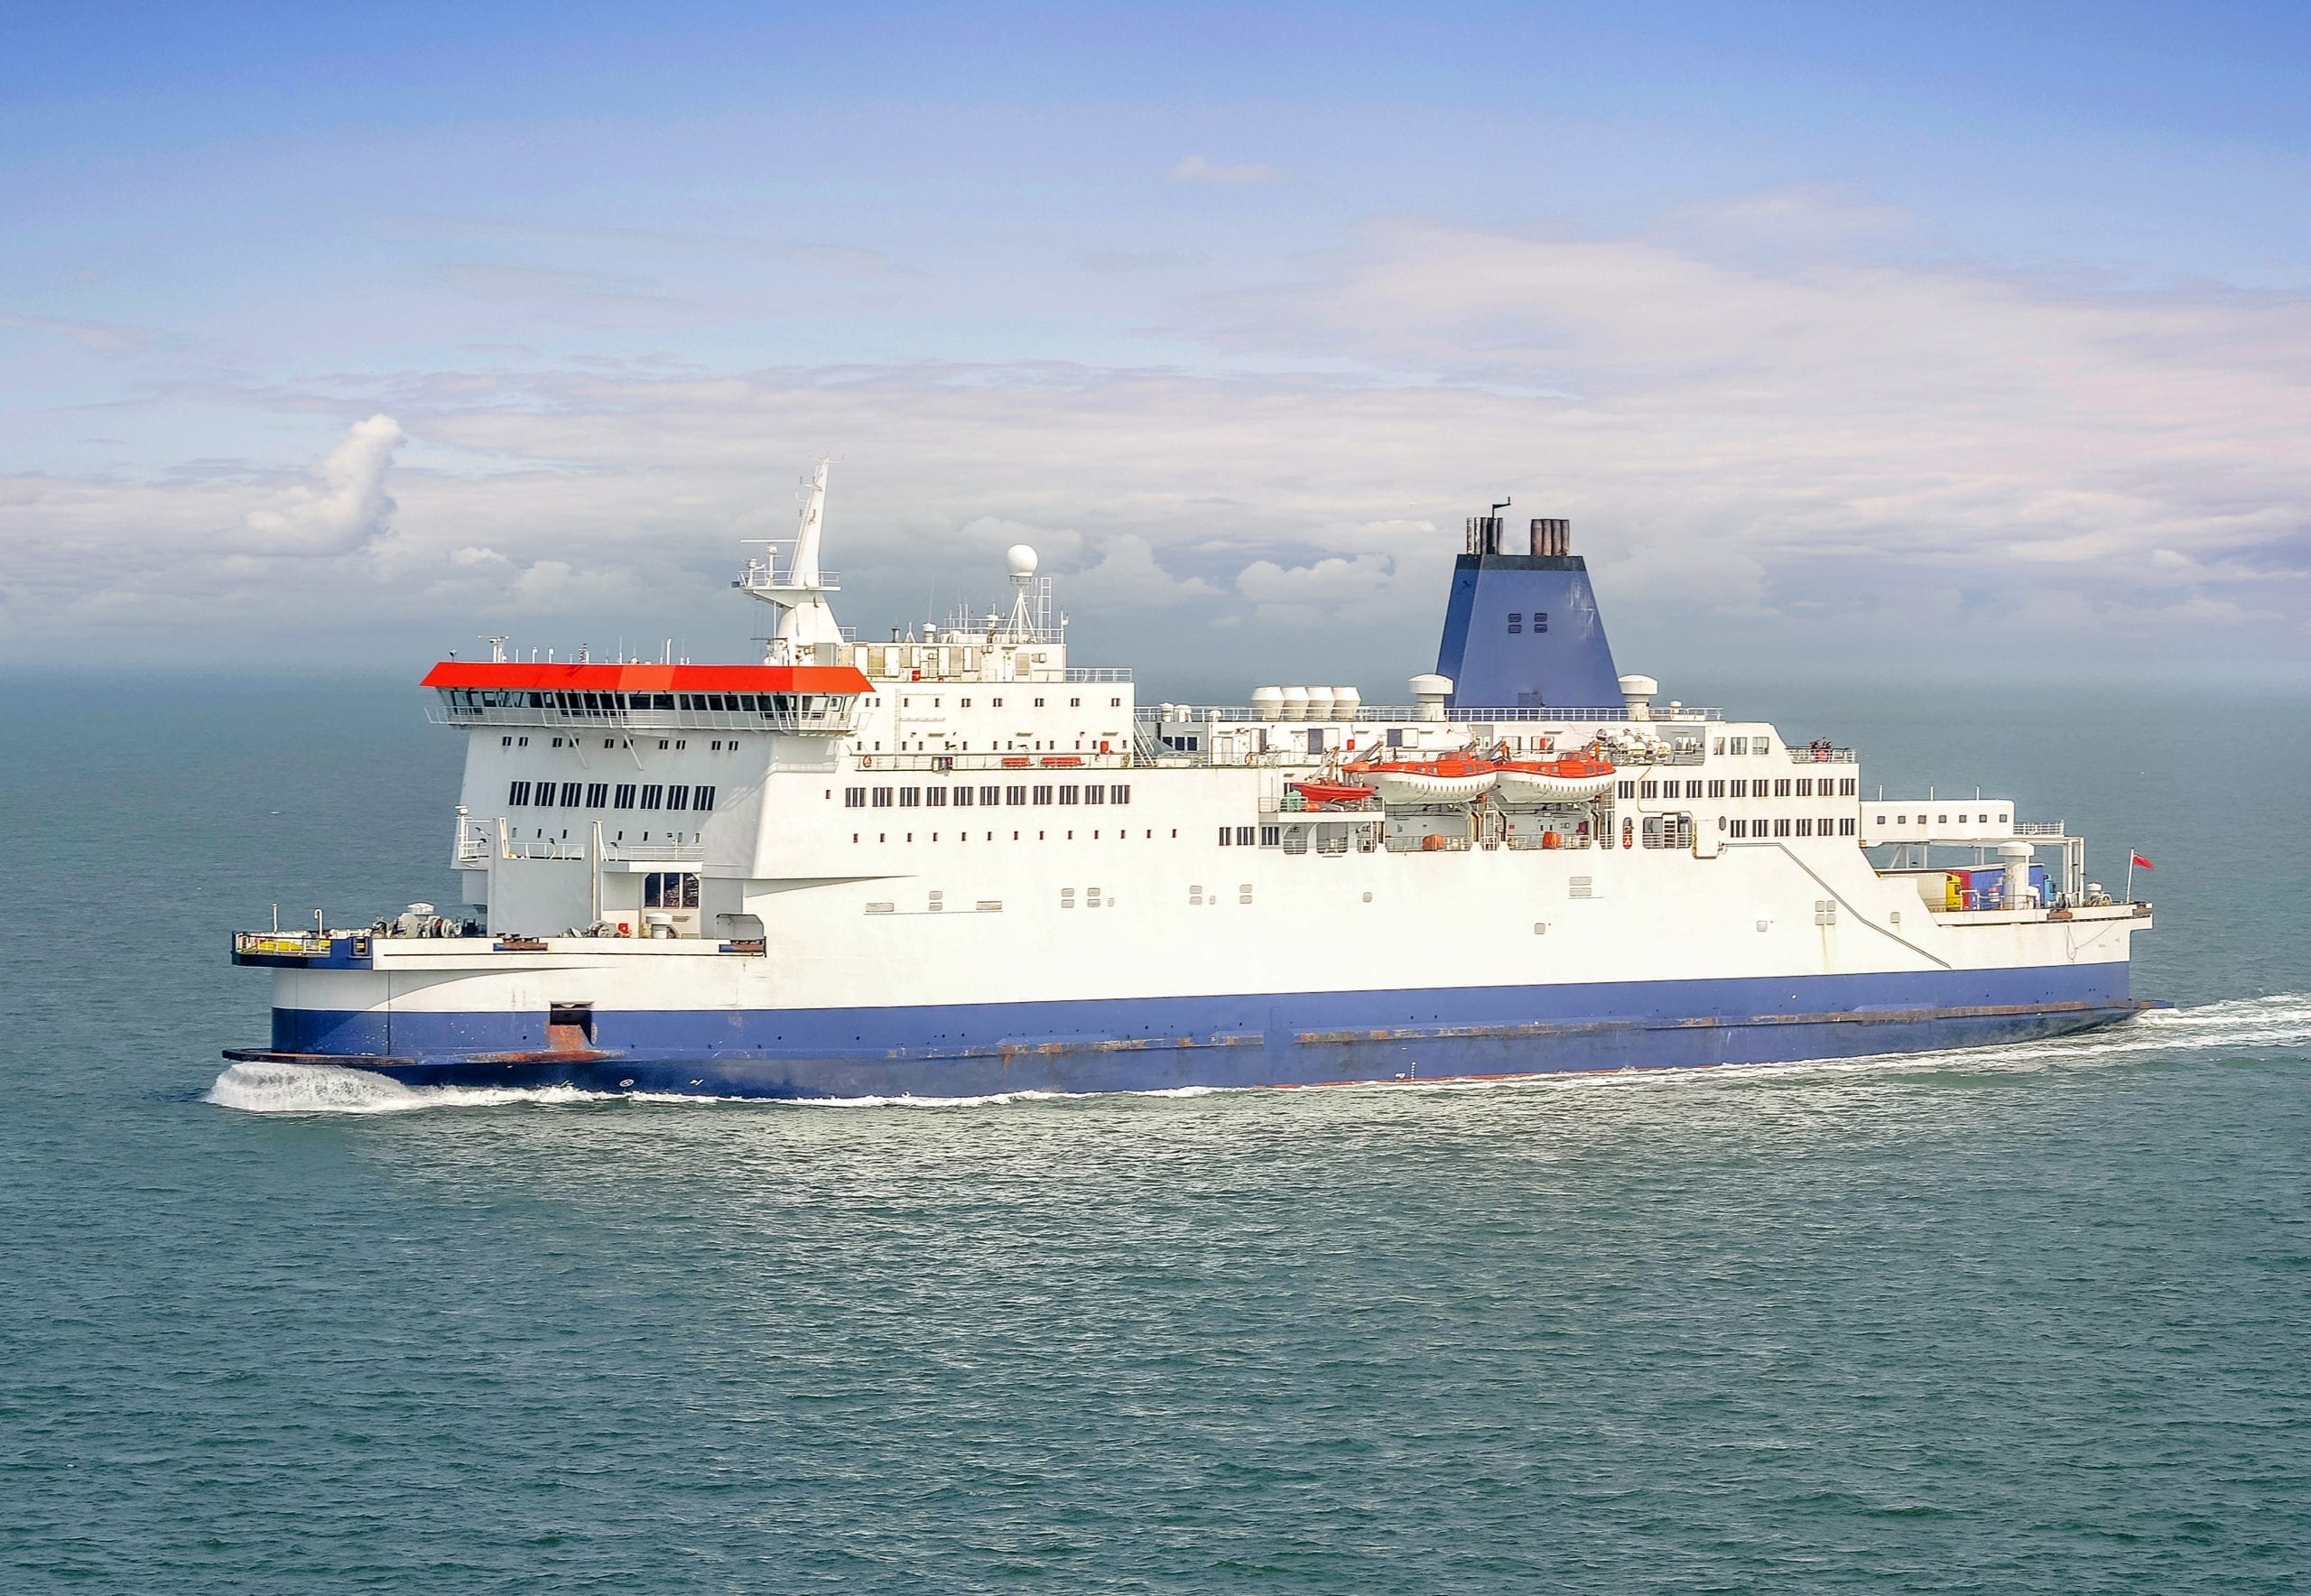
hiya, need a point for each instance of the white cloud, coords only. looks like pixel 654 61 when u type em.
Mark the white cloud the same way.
pixel 346 510
pixel 1750 448
pixel 1199 169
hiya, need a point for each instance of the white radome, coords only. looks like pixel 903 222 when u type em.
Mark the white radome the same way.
pixel 1019 560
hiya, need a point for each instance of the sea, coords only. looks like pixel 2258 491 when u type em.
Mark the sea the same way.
pixel 2035 1319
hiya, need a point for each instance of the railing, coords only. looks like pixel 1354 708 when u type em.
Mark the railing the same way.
pixel 1819 754
pixel 1428 842
pixel 2040 828
pixel 1098 674
pixel 1370 714
pixel 758 579
pixel 293 944
pixel 840 716
pixel 1029 764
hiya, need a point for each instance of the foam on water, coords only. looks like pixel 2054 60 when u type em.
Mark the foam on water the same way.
pixel 2244 1025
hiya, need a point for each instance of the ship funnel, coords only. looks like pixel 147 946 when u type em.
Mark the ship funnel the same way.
pixel 1552 538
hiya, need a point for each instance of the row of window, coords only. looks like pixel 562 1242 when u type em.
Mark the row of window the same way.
pixel 1805 828
pixel 613 703
pixel 1780 787
pixel 1981 819
pixel 1121 836
pixel 600 796
pixel 988 796
pixel 1745 745
pixel 1517 622
pixel 1073 704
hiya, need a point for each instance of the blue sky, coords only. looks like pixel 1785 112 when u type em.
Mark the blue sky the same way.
pixel 1844 329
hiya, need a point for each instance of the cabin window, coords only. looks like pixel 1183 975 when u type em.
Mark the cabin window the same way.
pixel 677 796
pixel 1717 789
pixel 669 889
pixel 1741 745
pixel 701 798
pixel 517 794
pixel 1066 897
pixel 597 795
pixel 569 794
pixel 1648 789
pixel 1271 836
pixel 1042 792
pixel 1692 789
pixel 910 797
pixel 653 796
pixel 1015 793
pixel 1781 787
pixel 1845 828
pixel 1625 789
pixel 1039 703
pixel 1075 703
pixel 853 797
pixel 1516 623
pixel 934 797
pixel 1244 835
pixel 1095 793
pixel 1781 828
pixel 1740 828
pixel 1070 794
pixel 1227 836
pixel 1119 794
pixel 882 797
pixel 1805 828
pixel 1805 786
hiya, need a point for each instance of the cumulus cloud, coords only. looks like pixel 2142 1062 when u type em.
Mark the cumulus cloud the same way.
pixel 1200 168
pixel 1824 447
pixel 344 510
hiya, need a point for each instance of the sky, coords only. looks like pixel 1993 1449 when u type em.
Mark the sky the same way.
pixel 1901 343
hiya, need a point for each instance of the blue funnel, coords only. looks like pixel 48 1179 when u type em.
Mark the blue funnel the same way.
pixel 1522 630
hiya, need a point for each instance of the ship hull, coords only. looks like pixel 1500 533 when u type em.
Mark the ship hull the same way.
pixel 1272 1040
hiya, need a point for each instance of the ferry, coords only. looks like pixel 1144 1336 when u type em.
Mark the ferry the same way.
pixel 953 863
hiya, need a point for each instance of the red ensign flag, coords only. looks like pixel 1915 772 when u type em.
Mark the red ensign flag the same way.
pixel 2138 862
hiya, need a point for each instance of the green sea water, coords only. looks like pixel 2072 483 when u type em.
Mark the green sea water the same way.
pixel 2028 1320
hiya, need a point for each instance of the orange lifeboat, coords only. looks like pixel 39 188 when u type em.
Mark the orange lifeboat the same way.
pixel 1576 779
pixel 1331 792
pixel 1453 779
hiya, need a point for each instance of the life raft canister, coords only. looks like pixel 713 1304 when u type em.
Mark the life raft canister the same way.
pixel 1628 834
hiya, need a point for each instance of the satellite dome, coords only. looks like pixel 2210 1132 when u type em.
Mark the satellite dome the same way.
pixel 1020 559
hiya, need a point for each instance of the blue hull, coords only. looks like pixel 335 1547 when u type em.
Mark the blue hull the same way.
pixel 1292 1039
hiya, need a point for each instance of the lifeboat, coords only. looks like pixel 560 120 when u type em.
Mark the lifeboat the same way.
pixel 1331 792
pixel 1574 780
pixel 1453 779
